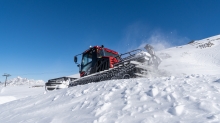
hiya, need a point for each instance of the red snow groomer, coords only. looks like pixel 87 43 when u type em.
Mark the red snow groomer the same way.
pixel 99 63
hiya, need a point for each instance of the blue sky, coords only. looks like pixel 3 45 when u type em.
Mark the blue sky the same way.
pixel 39 38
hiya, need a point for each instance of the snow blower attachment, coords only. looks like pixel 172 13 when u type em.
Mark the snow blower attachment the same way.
pixel 100 63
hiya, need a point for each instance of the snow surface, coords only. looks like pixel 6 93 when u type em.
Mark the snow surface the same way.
pixel 18 88
pixel 188 93
pixel 192 58
pixel 11 93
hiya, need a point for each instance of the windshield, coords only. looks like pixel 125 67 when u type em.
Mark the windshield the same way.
pixel 86 61
pixel 87 58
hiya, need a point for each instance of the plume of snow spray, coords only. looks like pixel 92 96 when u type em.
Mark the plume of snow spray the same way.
pixel 158 41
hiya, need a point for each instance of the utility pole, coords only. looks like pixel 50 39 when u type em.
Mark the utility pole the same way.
pixel 6 75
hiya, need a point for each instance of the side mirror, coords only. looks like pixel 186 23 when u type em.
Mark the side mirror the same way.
pixel 75 59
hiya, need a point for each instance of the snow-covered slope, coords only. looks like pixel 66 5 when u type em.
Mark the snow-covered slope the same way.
pixel 18 88
pixel 199 57
pixel 192 99
pixel 189 94
pixel 11 93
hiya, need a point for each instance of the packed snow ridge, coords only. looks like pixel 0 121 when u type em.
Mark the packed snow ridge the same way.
pixel 188 93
